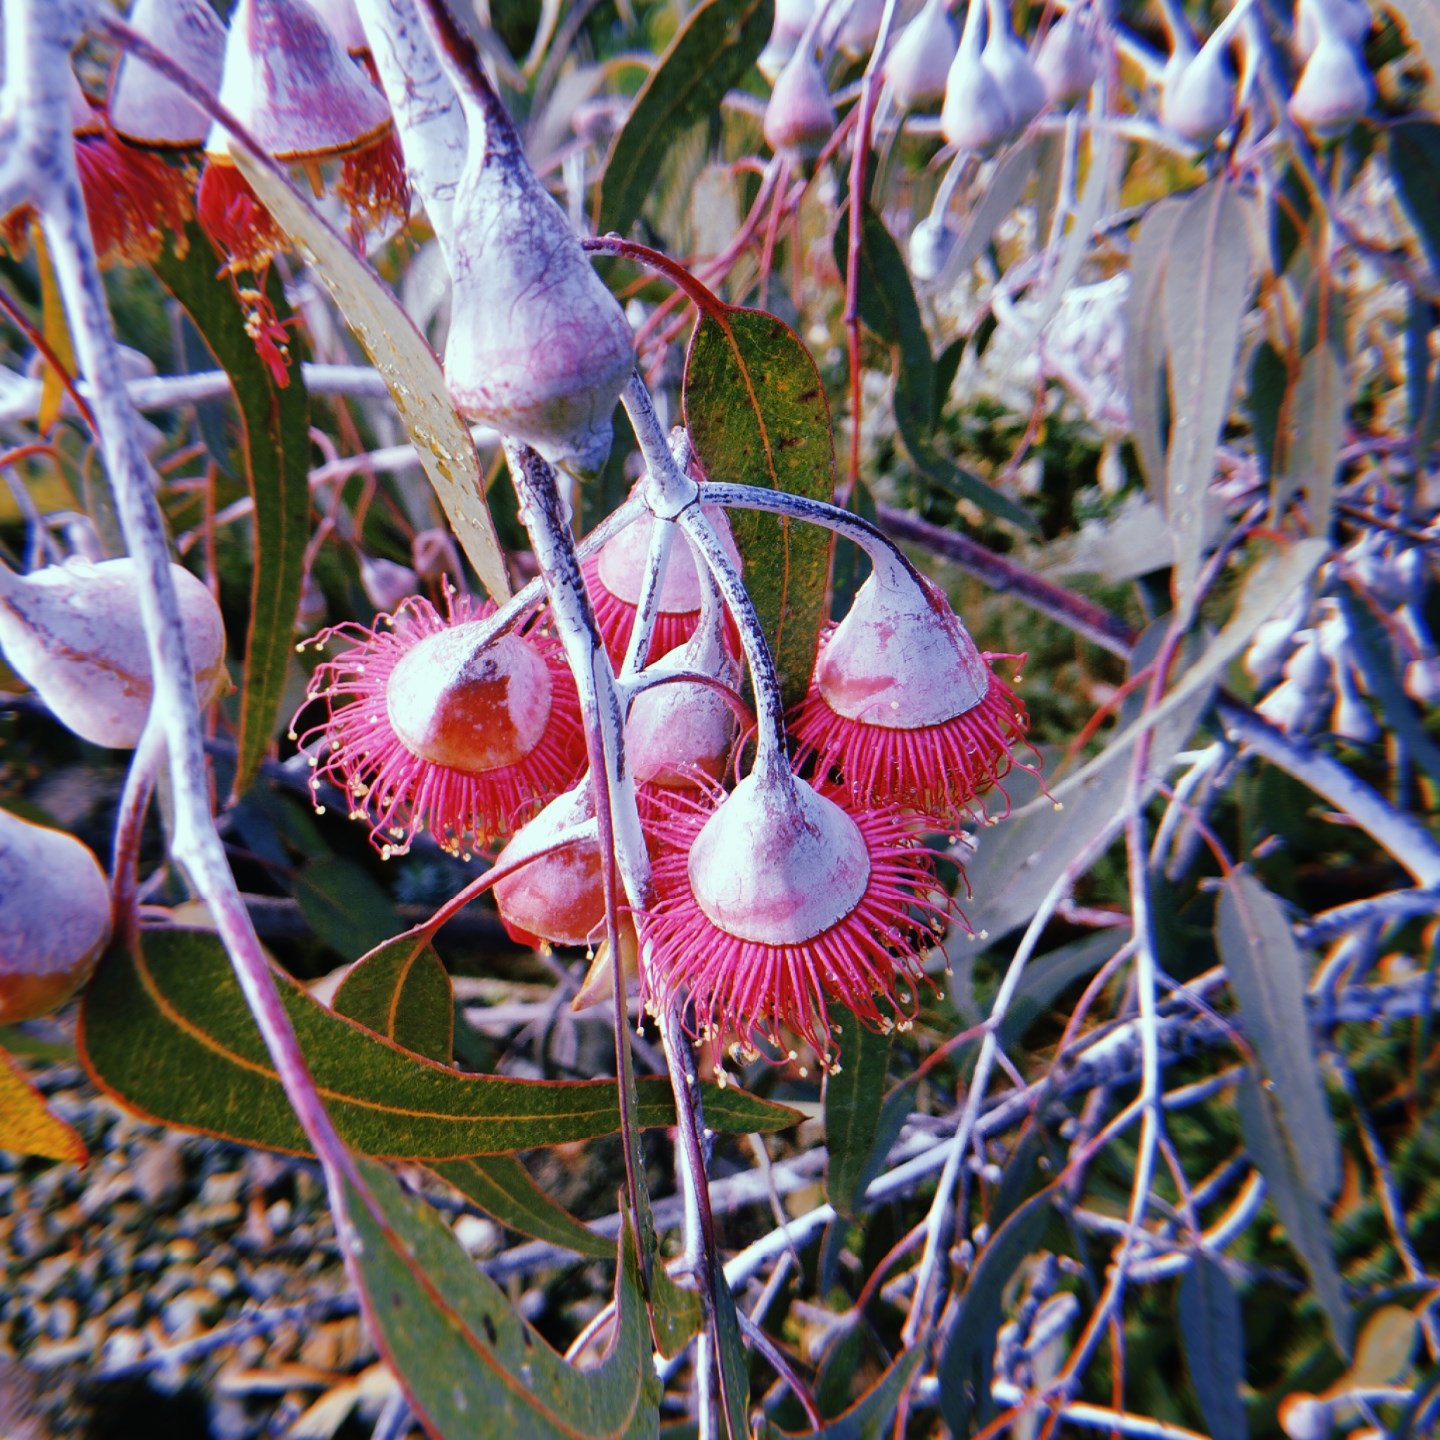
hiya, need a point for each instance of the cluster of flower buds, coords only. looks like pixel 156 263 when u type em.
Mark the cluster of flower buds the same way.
pixel 296 75
pixel 808 881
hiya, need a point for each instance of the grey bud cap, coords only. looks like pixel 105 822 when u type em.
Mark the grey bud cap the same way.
pixel 538 345
pixel 800 117
pixel 1197 95
pixel 1066 61
pixel 1334 90
pixel 918 65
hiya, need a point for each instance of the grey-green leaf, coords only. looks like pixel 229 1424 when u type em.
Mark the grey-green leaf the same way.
pixel 712 52
pixel 1214 1339
pixel 471 1367
pixel 1267 977
pixel 1305 1222
pixel 854 1098
pixel 1205 297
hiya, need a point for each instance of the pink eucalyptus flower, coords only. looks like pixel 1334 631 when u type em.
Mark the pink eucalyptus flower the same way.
pixel 429 727
pixel 906 708
pixel 775 900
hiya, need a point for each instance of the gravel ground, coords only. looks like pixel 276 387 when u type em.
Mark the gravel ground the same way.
pixel 176 1286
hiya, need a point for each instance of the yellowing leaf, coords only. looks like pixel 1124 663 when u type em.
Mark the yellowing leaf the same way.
pixel 27 1127
pixel 405 361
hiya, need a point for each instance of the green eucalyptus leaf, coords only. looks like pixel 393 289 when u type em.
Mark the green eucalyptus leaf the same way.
pixel 166 1030
pixel 711 53
pixel 757 414
pixel 275 455
pixel 1214 1340
pixel 471 1367
pixel 854 1098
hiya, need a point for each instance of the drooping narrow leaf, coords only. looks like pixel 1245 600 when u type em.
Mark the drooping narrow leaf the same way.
pixel 402 991
pixel 167 1031
pixel 471 1367
pixel 756 411
pixel 275 435
pixel 870 1416
pixel 1145 341
pixel 1205 296
pixel 1267 977
pixel 967 1361
pixel 1415 165
pixel 27 1127
pixel 1371 648
pixel 854 1098
pixel 710 54
pixel 1019 861
pixel 1314 414
pixel 730 1359
pixel 1305 1222
pixel 503 1188
pixel 1214 1337
pixel 406 363
pixel 57 332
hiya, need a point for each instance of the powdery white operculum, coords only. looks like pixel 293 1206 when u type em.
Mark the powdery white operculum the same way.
pixel 901 659
pixel 800 117
pixel 1009 64
pixel 1334 90
pixel 538 346
pixel 680 730
pixel 73 632
pixel 1197 91
pixel 621 564
pixel 287 79
pixel 471 707
pixel 778 864
pixel 54 917
pixel 1066 61
pixel 918 65
pixel 559 897
pixel 147 109
pixel 974 116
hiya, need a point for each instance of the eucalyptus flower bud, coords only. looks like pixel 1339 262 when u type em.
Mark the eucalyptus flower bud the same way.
pixel 73 633
pixel 538 346
pixel 1066 61
pixel 859 28
pixel 1197 90
pixel 800 117
pixel 147 109
pixel 54 917
pixel 974 116
pixel 919 64
pixel 1334 90
pixel 1009 64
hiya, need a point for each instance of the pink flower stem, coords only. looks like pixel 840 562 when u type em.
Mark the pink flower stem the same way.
pixel 622 844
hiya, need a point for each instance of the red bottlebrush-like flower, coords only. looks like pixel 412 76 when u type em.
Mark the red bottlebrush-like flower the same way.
pixel 616 575
pixel 775 900
pixel 905 706
pixel 307 102
pixel 429 728
pixel 135 200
